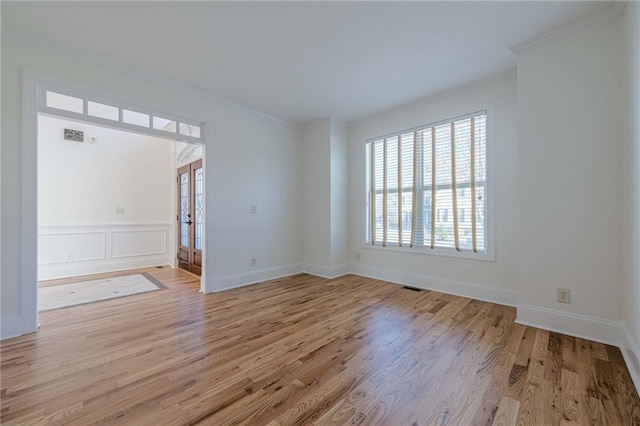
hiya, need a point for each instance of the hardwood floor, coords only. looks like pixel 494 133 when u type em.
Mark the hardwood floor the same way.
pixel 306 350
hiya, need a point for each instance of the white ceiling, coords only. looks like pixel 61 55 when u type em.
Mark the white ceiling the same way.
pixel 303 60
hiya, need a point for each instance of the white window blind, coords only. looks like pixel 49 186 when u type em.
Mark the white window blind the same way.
pixel 427 187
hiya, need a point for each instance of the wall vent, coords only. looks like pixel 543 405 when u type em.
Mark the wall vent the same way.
pixel 73 135
pixel 411 288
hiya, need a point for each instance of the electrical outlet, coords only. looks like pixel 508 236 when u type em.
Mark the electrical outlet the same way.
pixel 253 261
pixel 358 257
pixel 119 210
pixel 69 256
pixel 564 295
pixel 254 209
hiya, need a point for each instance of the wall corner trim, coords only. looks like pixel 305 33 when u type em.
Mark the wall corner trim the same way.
pixel 228 282
pixel 631 353
pixel 609 332
pixel 328 272
pixel 10 326
pixel 614 12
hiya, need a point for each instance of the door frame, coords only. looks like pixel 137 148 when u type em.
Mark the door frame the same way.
pixel 33 83
pixel 189 169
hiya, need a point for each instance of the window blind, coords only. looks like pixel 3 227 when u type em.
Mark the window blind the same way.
pixel 427 187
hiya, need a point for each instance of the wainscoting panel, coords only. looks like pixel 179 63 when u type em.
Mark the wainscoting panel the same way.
pixel 72 250
pixel 131 243
pixel 71 246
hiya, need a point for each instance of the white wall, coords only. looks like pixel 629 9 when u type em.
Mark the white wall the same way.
pixel 631 248
pixel 2 327
pixel 316 197
pixel 325 197
pixel 81 184
pixel 570 180
pixel 339 158
pixel 482 279
pixel 250 159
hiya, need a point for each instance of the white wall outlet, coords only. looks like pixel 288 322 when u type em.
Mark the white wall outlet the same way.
pixel 564 295
pixel 358 257
pixel 254 209
pixel 119 210
pixel 69 256
pixel 253 261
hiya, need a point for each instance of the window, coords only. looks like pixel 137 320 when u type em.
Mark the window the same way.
pixel 99 110
pixel 134 117
pixel 415 177
pixel 64 102
pixel 104 112
pixel 443 215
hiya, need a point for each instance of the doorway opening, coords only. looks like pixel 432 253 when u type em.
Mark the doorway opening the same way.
pixel 107 200
pixel 106 203
pixel 106 108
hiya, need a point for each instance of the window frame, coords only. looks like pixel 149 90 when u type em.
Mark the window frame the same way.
pixel 490 198
pixel 87 96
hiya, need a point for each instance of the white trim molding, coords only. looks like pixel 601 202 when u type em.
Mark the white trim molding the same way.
pixel 88 95
pixel 577 325
pixel 231 281
pixel 78 269
pixel 328 272
pixel 135 72
pixel 11 326
pixel 29 208
pixel 614 12
pixel 501 296
pixel 84 249
pixel 33 82
pixel 631 352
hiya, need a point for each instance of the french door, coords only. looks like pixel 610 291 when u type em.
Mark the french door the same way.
pixel 190 216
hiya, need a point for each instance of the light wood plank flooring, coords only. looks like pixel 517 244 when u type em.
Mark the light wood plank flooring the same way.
pixel 306 350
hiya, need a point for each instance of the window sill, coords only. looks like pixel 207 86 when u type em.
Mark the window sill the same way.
pixel 426 251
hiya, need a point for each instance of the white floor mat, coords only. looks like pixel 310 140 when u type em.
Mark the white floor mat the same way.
pixel 64 295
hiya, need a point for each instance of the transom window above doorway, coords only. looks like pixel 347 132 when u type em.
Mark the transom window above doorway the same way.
pixel 115 114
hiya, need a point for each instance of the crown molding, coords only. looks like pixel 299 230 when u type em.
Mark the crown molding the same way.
pixel 494 78
pixel 614 12
pixel 136 72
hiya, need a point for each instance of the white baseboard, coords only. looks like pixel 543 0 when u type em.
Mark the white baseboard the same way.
pixel 582 326
pixel 472 290
pixel 76 269
pixel 631 353
pixel 228 282
pixel 10 326
pixel 327 271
